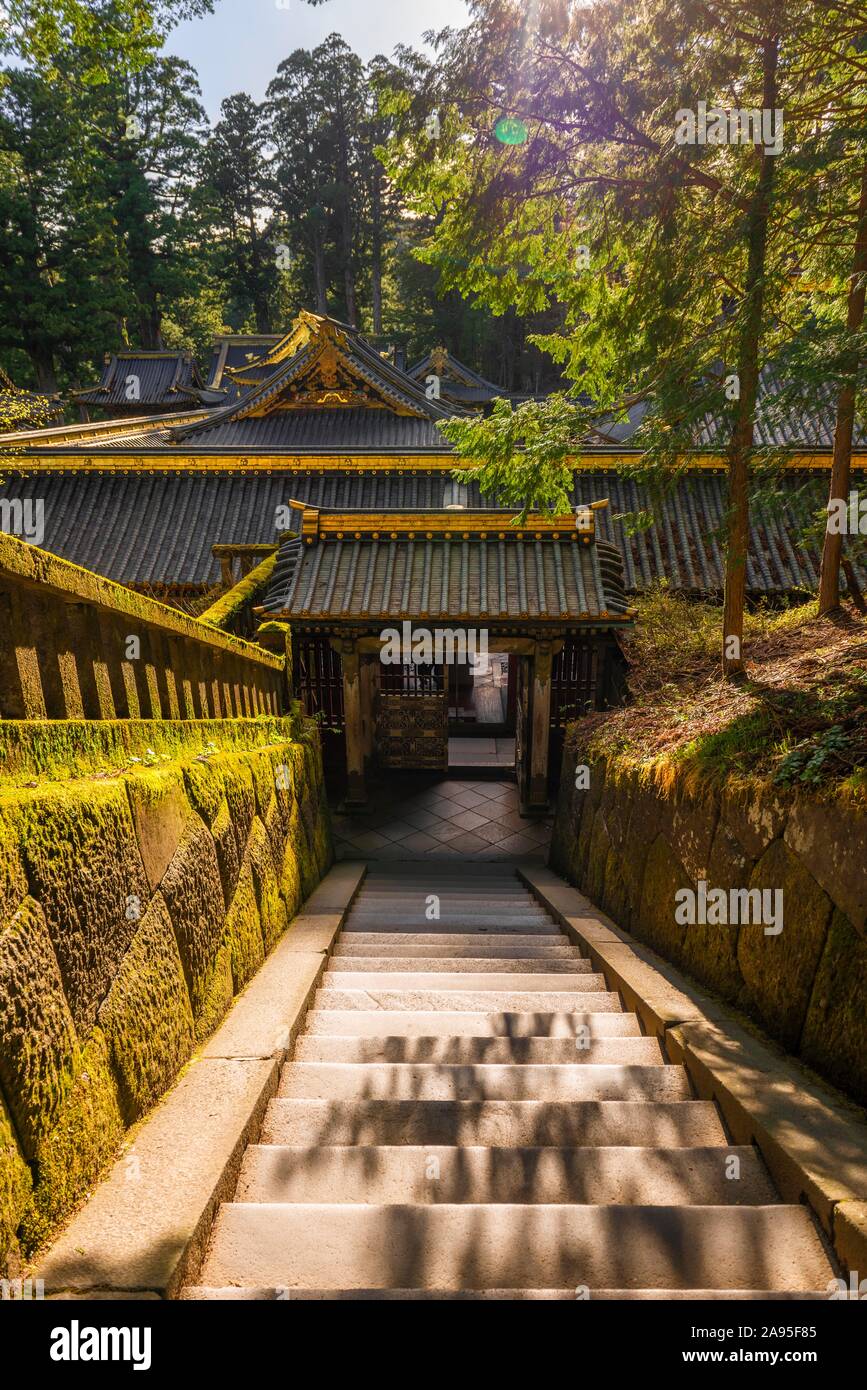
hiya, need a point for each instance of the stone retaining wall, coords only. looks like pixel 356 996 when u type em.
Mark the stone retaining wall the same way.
pixel 133 907
pixel 630 841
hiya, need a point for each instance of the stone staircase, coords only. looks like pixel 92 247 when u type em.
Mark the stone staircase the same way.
pixel 470 1113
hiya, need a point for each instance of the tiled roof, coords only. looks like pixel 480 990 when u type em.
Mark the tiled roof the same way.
pixel 326 372
pixel 163 379
pixel 458 382
pixel 234 350
pixel 448 577
pixel 298 430
pixel 141 528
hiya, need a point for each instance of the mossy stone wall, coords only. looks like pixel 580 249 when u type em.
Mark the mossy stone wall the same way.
pixel 133 907
pixel 631 838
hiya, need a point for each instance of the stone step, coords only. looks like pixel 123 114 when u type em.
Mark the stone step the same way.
pixel 459 933
pixel 397 893
pixel 490 980
pixel 199 1293
pixel 458 1051
pixel 484 915
pixel 433 965
pixel 488 1081
pixel 477 948
pixel 509 1246
pixel 400 870
pixel 526 1001
pixel 507 1124
pixel 480 1023
pixel 435 1174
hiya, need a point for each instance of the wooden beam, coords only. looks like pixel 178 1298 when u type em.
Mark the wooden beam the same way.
pixel 540 726
pixel 353 714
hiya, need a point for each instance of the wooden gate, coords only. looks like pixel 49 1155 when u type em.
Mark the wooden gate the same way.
pixel 412 717
pixel 574 693
pixel 318 683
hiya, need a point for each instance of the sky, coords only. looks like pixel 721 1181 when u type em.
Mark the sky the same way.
pixel 238 47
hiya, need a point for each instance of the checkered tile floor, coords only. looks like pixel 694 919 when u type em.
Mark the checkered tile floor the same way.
pixel 420 817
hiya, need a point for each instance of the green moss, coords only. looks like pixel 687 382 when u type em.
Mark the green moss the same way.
pixel 193 895
pixel 655 924
pixel 834 1039
pixel 147 1018
pixel 84 867
pixel 161 814
pixel 290 881
pixel 228 856
pixel 13 880
pixel 152 982
pixel 217 991
pixel 204 783
pixel 85 1138
pixel 272 910
pixel 241 595
pixel 15 1187
pixel 244 931
pixel 38 1044
pixel 778 971
pixel 66 749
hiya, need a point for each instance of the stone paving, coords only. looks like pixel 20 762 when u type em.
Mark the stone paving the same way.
pixel 439 816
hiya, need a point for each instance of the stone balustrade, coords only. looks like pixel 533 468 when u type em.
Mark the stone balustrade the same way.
pixel 74 645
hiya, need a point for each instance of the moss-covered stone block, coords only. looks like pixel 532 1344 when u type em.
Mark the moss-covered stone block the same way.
pixel 15 1187
pixel 228 855
pixel 592 800
pixel 146 1018
pixel 244 930
pixel 193 894
pixel 597 859
pixel 161 813
pixel 837 861
pixel 204 783
pixel 85 1138
pixel 38 1044
pixel 615 900
pixel 834 1038
pixel 13 880
pixel 693 825
pixel 85 869
pixel 323 840
pixel 290 881
pixel 276 825
pixel 755 815
pixel 710 952
pixel 779 971
pixel 218 991
pixel 262 772
pixel 664 876
pixel 238 787
pixel 272 909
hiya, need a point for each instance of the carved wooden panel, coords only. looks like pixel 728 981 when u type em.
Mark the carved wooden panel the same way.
pixel 412 731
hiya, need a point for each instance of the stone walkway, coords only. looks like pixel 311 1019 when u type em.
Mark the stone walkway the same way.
pixel 435 816
pixel 470 1113
pixel 481 752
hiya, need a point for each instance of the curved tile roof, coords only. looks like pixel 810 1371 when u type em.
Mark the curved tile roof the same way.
pixel 159 528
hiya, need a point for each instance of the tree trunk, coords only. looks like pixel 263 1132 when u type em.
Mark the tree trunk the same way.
pixel 832 550
pixel 376 252
pixel 348 266
pixel 43 365
pixel 741 444
pixel 319 271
